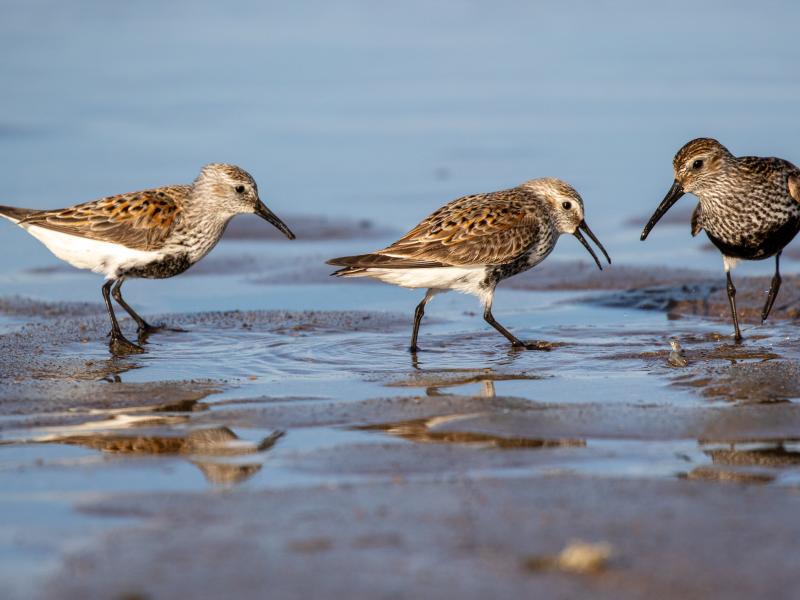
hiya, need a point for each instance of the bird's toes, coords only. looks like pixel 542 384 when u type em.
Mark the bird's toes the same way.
pixel 119 346
pixel 147 329
pixel 539 345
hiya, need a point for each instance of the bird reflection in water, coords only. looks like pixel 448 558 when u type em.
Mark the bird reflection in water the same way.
pixel 219 453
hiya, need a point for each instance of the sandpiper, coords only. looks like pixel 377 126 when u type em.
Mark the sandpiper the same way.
pixel 473 243
pixel 749 207
pixel 155 233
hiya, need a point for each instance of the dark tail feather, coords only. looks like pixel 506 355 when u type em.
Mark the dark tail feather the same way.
pixel 350 264
pixel 350 261
pixel 354 265
pixel 16 214
pixel 344 272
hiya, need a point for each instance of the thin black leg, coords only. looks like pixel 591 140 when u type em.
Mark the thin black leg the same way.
pixel 773 289
pixel 118 342
pixel 142 325
pixel 418 314
pixel 114 325
pixel 489 318
pixel 732 300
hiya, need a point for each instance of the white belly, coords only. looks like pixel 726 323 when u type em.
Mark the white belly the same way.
pixel 461 279
pixel 729 263
pixel 94 255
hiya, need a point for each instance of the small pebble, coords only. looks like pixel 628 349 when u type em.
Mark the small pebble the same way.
pixel 578 557
pixel 676 358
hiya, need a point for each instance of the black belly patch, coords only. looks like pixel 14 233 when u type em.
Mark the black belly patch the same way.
pixel 773 243
pixel 169 266
pixel 497 273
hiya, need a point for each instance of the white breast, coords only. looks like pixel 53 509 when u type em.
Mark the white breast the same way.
pixel 94 255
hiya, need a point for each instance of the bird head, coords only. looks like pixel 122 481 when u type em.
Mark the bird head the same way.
pixel 697 166
pixel 235 192
pixel 566 209
pixel 698 163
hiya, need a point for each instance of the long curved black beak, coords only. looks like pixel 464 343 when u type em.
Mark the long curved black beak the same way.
pixel 583 226
pixel 269 216
pixel 673 195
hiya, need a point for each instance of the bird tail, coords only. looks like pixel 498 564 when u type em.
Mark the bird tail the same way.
pixel 358 266
pixel 15 215
pixel 353 266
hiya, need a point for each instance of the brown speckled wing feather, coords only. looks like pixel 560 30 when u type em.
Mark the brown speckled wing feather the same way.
pixel 490 228
pixel 139 220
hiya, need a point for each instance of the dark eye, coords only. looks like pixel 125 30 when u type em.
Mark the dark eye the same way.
pixel 566 205
pixel 698 164
pixel 239 189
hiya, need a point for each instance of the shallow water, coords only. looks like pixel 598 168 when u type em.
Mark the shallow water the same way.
pixel 358 121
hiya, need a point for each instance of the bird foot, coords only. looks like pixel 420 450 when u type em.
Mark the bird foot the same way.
pixel 120 346
pixel 147 329
pixel 534 345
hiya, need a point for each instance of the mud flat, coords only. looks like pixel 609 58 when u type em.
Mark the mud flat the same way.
pixel 463 536
pixel 306 228
pixel 583 275
pixel 706 297
pixel 306 454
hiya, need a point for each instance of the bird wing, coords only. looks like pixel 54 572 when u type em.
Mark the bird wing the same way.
pixel 492 228
pixel 697 220
pixel 139 220
pixel 794 185
pixel 778 169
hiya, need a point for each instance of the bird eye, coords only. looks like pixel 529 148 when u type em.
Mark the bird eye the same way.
pixel 698 164
pixel 566 205
pixel 239 189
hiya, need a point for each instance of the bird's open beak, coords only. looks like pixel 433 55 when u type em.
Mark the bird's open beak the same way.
pixel 269 216
pixel 584 227
pixel 673 195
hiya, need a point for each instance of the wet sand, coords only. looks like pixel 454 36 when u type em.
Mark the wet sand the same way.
pixel 307 228
pixel 255 447
pixel 455 537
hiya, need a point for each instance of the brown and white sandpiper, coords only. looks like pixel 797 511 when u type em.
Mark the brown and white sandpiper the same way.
pixel 473 243
pixel 155 233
